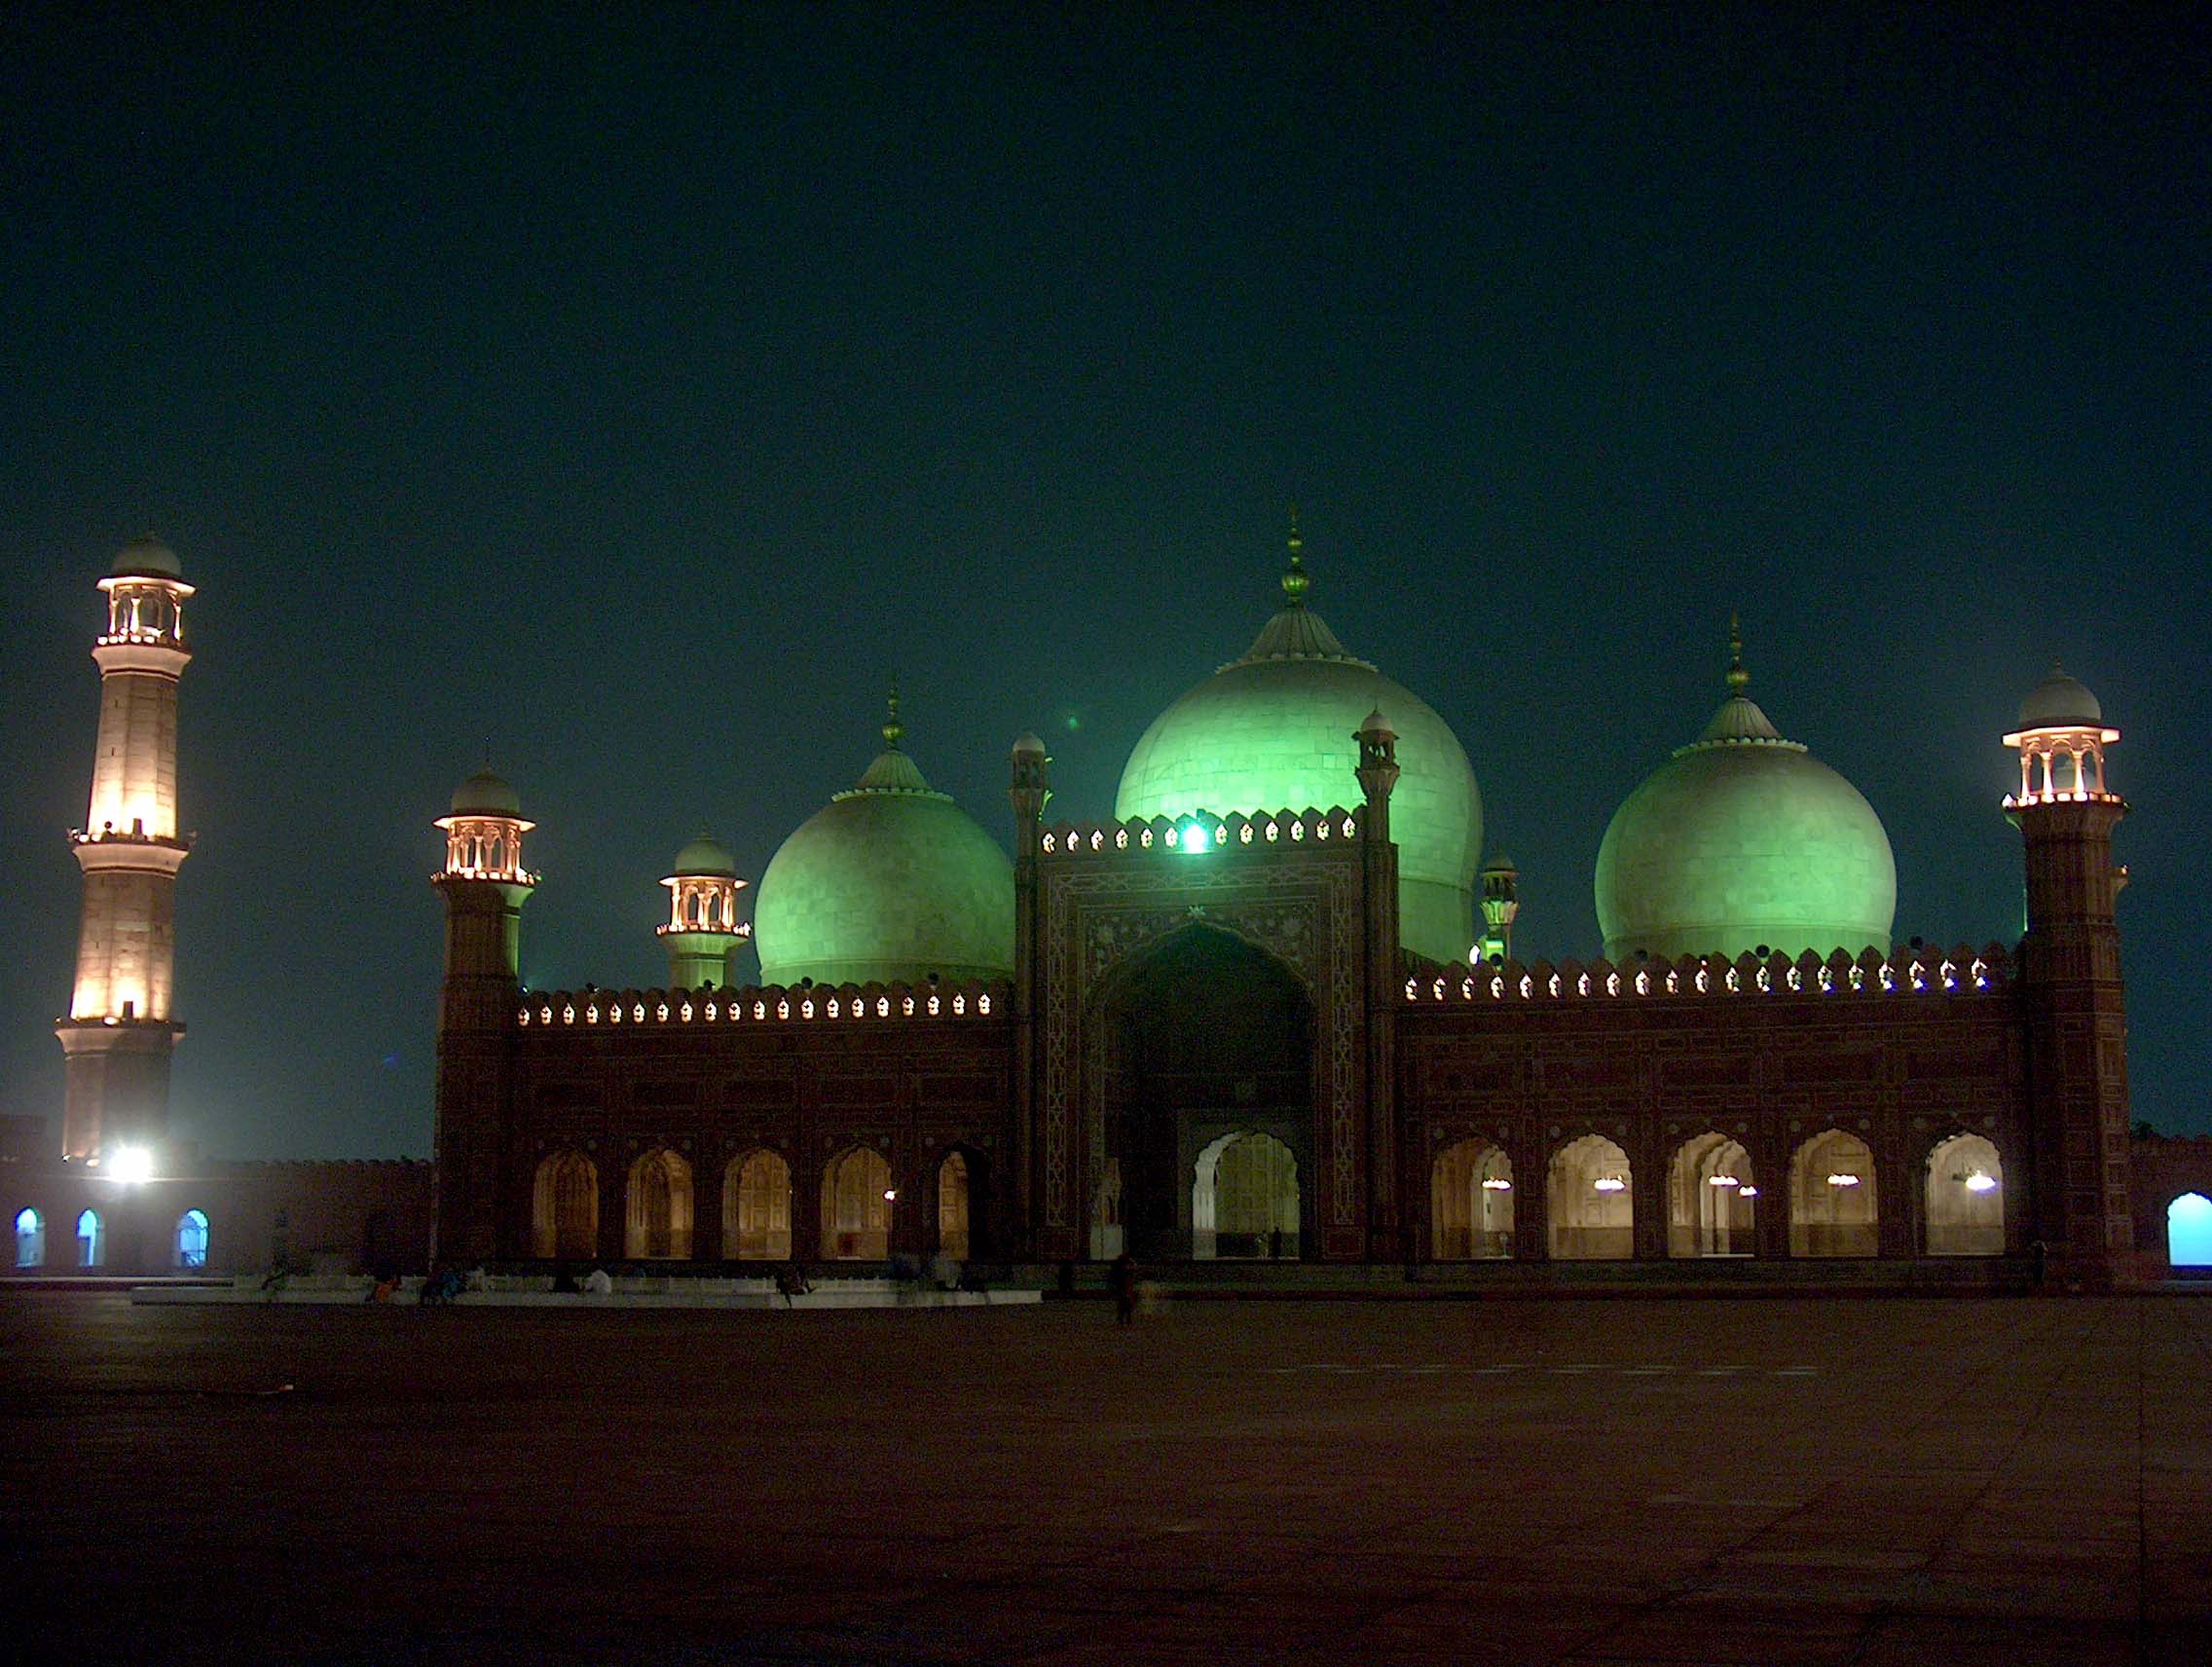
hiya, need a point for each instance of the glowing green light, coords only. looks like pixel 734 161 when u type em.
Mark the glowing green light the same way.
pixel 1198 836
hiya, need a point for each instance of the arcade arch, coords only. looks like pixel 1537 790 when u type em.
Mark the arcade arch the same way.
pixel 564 1208
pixel 1710 1198
pixel 1964 1212
pixel 88 1239
pixel 757 1208
pixel 856 1195
pixel 952 1206
pixel 1591 1191
pixel 658 1228
pixel 2189 1232
pixel 1470 1202
pixel 192 1238
pixel 1833 1210
pixel 30 1239
pixel 1244 1198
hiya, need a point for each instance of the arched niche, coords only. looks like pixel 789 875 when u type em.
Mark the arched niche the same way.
pixel 1711 1198
pixel 757 1208
pixel 658 1224
pixel 856 1195
pixel 1964 1212
pixel 1833 1207
pixel 1591 1192
pixel 564 1207
pixel 1470 1202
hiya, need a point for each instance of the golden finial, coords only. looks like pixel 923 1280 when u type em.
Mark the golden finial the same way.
pixel 1738 677
pixel 892 729
pixel 1294 579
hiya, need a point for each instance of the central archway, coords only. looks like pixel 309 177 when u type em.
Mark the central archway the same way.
pixel 1209 1061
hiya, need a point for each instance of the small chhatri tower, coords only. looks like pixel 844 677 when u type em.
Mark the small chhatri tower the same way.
pixel 119 1036
pixel 2070 966
pixel 703 934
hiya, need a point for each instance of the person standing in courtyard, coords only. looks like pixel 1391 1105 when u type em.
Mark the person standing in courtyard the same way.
pixel 1125 1281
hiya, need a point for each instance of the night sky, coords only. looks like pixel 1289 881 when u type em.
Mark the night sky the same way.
pixel 637 396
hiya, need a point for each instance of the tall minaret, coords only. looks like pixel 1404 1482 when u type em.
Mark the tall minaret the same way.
pixel 119 1035
pixel 2070 978
pixel 485 887
pixel 703 933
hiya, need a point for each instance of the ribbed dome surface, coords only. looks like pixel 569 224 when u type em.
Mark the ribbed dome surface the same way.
pixel 1742 839
pixel 889 882
pixel 1274 731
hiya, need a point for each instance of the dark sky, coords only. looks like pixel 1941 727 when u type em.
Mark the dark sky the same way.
pixel 638 394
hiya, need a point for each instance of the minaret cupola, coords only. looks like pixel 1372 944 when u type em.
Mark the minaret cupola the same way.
pixel 484 832
pixel 703 931
pixel 2061 741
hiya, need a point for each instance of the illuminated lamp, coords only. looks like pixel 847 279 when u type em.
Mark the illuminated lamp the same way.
pixel 130 1166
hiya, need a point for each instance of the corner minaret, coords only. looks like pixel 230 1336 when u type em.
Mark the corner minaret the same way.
pixel 2070 977
pixel 485 886
pixel 119 1036
pixel 703 932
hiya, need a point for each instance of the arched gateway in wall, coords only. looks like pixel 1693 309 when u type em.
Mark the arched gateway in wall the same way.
pixel 1204 1067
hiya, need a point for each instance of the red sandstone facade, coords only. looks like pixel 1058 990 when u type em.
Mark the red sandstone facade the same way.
pixel 1165 999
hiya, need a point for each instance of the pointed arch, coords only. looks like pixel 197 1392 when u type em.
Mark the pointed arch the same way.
pixel 89 1247
pixel 1244 1198
pixel 192 1236
pixel 30 1239
pixel 756 1207
pixel 952 1204
pixel 856 1195
pixel 1591 1190
pixel 2189 1232
pixel 658 1224
pixel 1833 1207
pixel 1470 1202
pixel 564 1207
pixel 1964 1197
pixel 1711 1198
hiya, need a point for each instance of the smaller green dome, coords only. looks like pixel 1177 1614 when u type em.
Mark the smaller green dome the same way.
pixel 1741 841
pixel 2060 701
pixel 704 856
pixel 485 794
pixel 889 882
pixel 147 556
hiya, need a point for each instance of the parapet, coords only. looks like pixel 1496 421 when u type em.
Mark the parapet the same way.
pixel 1200 831
pixel 763 1004
pixel 1902 972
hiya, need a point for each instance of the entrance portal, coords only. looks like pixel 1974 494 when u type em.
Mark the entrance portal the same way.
pixel 1207 1117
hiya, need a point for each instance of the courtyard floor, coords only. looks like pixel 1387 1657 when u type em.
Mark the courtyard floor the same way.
pixel 1866 1481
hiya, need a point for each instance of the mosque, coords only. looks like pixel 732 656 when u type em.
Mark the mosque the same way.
pixel 1268 1012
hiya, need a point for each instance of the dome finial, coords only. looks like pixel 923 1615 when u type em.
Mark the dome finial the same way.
pixel 1738 679
pixel 893 730
pixel 1294 579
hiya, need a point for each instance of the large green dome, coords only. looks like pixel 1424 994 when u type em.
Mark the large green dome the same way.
pixel 1273 732
pixel 1740 840
pixel 887 883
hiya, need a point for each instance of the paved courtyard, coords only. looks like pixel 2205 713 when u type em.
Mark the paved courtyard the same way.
pixel 1923 1482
